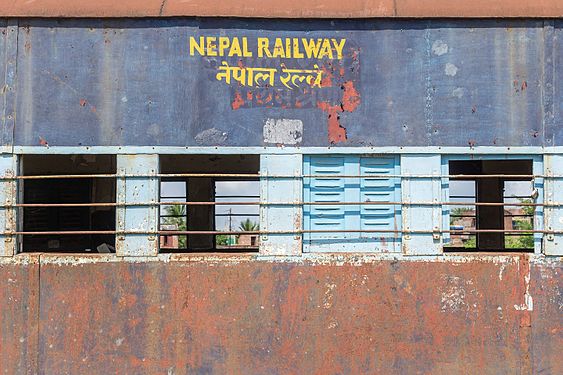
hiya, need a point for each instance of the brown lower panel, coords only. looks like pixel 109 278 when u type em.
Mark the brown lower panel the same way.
pixel 19 310
pixel 258 317
pixel 546 288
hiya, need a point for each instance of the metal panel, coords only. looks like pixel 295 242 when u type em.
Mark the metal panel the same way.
pixel 554 81
pixel 281 218
pixel 421 218
pixel 19 311
pixel 399 83
pixel 137 218
pixel 345 223
pixel 8 58
pixel 344 314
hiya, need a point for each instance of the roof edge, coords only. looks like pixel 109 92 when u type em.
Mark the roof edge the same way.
pixel 285 8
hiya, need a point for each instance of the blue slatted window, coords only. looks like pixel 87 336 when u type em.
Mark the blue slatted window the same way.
pixel 342 222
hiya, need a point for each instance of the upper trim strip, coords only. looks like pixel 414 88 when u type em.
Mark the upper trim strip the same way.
pixel 283 8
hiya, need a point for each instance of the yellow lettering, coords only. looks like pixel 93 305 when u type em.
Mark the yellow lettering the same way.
pixel 263 47
pixel 278 49
pixel 245 51
pixel 211 46
pixel 223 45
pixel 287 48
pixel 194 46
pixel 339 47
pixel 311 47
pixel 326 50
pixel 235 49
pixel 296 53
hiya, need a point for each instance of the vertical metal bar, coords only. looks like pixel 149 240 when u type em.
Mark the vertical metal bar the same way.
pixel 553 244
pixel 280 218
pixel 7 197
pixel 415 218
pixel 137 218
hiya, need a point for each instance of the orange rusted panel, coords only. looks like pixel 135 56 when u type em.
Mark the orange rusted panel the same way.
pixel 546 289
pixel 283 8
pixel 479 8
pixel 242 315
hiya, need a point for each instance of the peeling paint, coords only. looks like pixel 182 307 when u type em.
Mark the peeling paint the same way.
pixel 350 101
pixel 439 48
pixel 450 69
pixel 283 131
pixel 210 137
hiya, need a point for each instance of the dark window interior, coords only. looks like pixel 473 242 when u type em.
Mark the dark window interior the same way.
pixel 67 191
pixel 507 188
pixel 222 217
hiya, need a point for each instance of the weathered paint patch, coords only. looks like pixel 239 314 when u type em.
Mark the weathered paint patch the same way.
pixel 283 131
pixel 450 69
pixel 211 137
pixel 439 48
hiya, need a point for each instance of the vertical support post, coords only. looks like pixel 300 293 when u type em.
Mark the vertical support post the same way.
pixel 202 218
pixel 421 217
pixel 553 166
pixel 490 190
pixel 132 189
pixel 7 197
pixel 281 217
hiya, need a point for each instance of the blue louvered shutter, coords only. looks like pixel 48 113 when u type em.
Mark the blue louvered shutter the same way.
pixel 351 217
pixel 325 189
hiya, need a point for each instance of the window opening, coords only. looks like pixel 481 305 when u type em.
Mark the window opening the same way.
pixel 215 188
pixel 55 206
pixel 490 208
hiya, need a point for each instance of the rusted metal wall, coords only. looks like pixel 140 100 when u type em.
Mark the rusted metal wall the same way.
pixel 239 314
pixel 284 8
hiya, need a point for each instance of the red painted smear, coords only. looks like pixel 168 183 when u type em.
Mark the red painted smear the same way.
pixel 350 101
pixel 326 81
pixel 238 102
pixel 350 97
pixel 336 133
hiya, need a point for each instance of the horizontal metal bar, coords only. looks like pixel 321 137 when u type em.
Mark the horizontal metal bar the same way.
pixel 254 203
pixel 237 196
pixel 237 215
pixel 266 176
pixel 259 232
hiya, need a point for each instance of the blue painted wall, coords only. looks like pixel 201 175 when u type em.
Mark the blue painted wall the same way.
pixel 414 82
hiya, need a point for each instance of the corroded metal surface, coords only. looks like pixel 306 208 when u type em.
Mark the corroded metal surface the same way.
pixel 286 8
pixel 19 311
pixel 241 314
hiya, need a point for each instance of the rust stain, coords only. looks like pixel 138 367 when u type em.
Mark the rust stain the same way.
pixel 349 103
pixel 327 76
pixel 296 317
pixel 83 102
pixel 238 101
pixel 43 142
